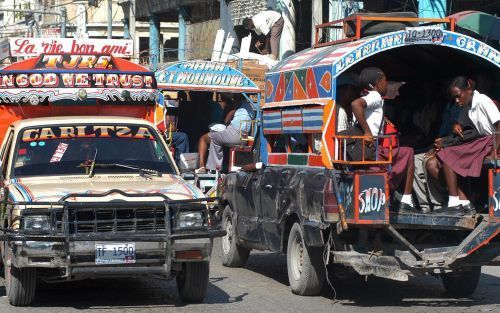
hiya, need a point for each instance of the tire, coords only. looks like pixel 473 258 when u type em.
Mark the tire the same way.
pixel 233 255
pixel 306 270
pixel 462 283
pixel 192 282
pixel 20 285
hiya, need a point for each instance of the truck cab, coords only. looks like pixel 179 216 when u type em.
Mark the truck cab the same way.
pixel 93 196
pixel 304 197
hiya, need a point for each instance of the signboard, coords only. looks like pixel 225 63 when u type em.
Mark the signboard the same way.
pixel 204 75
pixel 54 75
pixel 4 49
pixel 51 32
pixel 33 47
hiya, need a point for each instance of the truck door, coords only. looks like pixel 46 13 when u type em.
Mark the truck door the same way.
pixel 247 188
pixel 4 161
pixel 273 200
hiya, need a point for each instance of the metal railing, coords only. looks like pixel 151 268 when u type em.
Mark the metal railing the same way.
pixel 367 142
pixel 343 24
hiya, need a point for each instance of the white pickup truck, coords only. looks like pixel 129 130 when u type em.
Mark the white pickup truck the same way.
pixel 92 197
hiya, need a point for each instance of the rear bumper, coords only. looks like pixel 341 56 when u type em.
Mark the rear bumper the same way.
pixel 397 262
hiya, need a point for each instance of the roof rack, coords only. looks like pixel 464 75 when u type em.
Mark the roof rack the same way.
pixel 351 26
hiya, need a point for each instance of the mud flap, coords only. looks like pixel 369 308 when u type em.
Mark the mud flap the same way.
pixel 312 234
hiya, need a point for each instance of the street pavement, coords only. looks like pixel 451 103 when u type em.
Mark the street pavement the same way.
pixel 261 286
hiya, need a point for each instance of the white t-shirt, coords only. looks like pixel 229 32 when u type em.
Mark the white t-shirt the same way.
pixel 483 113
pixel 342 121
pixel 374 112
pixel 264 20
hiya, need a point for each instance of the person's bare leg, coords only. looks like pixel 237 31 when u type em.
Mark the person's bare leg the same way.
pixel 203 148
pixel 432 166
pixel 461 194
pixel 409 178
pixel 451 180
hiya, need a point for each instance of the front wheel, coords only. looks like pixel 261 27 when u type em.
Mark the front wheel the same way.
pixel 192 282
pixel 306 270
pixel 20 285
pixel 462 283
pixel 233 255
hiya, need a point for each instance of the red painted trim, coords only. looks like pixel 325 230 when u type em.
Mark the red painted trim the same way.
pixel 315 160
pixel 365 222
pixel 485 242
pixel 272 132
pixel 278 158
pixel 356 197
pixel 490 192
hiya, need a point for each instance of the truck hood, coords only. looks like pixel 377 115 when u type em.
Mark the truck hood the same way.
pixel 53 188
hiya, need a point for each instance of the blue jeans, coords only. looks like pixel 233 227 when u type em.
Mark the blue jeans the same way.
pixel 180 142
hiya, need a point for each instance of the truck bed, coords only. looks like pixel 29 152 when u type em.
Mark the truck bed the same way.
pixel 426 220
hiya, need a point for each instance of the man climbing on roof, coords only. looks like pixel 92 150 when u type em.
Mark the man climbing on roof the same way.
pixel 270 24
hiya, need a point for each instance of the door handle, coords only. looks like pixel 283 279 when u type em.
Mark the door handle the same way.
pixel 268 186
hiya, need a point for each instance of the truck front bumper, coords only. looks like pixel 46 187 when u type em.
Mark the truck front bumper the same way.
pixel 70 244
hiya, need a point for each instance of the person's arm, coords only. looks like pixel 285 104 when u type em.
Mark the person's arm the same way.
pixel 229 117
pixel 358 109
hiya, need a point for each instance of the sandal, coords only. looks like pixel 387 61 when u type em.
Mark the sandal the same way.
pixel 201 170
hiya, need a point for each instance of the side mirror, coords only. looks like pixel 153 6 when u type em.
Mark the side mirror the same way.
pixel 189 162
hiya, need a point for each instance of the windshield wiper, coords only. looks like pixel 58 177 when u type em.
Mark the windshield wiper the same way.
pixel 142 171
pixel 92 165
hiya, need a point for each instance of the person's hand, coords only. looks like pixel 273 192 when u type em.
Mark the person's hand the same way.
pixel 438 144
pixel 258 44
pixel 429 154
pixel 457 129
pixel 368 139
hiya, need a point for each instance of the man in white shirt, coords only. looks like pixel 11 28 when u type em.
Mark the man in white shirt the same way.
pixel 270 24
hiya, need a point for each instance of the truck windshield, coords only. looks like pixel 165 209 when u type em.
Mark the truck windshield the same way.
pixel 72 149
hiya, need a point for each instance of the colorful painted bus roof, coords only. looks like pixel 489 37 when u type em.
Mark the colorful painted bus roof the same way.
pixel 54 77
pixel 308 77
pixel 204 76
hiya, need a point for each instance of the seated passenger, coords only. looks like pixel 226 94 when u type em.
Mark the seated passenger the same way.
pixel 229 136
pixel 348 91
pixel 466 159
pixel 368 111
pixel 429 192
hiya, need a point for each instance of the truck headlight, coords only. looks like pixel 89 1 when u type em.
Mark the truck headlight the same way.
pixel 36 222
pixel 190 219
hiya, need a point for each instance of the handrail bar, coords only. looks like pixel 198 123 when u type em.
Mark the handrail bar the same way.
pixel 359 18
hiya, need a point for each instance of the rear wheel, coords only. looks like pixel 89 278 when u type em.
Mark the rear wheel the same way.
pixel 306 271
pixel 462 283
pixel 233 255
pixel 192 282
pixel 20 285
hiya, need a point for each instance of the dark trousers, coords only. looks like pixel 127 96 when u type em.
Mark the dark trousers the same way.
pixel 180 142
pixel 274 38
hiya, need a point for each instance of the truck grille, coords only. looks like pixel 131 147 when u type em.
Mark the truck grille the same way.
pixel 97 220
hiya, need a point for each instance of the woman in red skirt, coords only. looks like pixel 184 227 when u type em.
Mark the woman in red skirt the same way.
pixel 369 113
pixel 467 159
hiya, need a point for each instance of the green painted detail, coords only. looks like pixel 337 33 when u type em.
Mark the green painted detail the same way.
pixel 297 159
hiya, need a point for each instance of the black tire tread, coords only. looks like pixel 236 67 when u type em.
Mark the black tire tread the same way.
pixel 463 283
pixel 192 284
pixel 22 287
pixel 238 255
pixel 313 274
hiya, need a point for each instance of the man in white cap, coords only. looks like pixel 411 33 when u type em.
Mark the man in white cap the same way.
pixel 270 24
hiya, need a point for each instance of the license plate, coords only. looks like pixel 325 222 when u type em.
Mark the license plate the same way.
pixel 424 34
pixel 114 253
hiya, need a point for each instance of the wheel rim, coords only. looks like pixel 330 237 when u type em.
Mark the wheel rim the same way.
pixel 297 257
pixel 228 238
